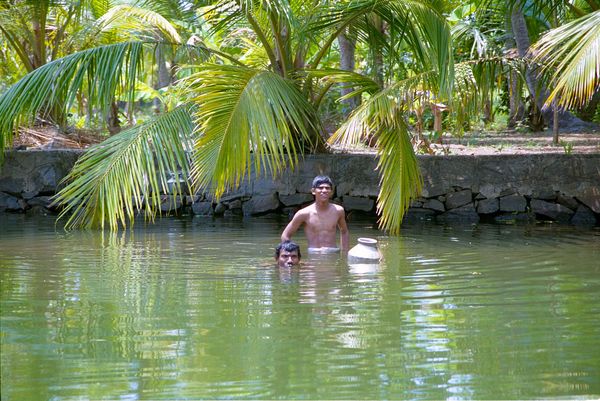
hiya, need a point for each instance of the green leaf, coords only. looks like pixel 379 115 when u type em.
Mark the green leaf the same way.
pixel 570 56
pixel 240 112
pixel 382 117
pixel 100 71
pixel 115 179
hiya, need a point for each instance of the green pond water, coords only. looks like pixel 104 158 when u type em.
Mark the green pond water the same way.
pixel 195 308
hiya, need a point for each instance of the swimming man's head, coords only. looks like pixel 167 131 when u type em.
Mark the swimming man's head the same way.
pixel 287 254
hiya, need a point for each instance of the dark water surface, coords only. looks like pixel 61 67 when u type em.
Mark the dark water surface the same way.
pixel 195 309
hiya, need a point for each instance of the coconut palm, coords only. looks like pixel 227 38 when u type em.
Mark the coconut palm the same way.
pixel 570 55
pixel 255 102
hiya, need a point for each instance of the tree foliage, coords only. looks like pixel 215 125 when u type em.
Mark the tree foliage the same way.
pixel 252 81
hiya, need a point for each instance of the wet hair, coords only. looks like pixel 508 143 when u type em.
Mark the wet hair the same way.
pixel 288 246
pixel 320 180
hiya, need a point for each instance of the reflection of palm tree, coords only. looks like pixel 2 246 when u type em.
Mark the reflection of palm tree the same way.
pixel 261 99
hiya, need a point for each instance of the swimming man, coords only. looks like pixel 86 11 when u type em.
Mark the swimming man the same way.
pixel 321 220
pixel 287 254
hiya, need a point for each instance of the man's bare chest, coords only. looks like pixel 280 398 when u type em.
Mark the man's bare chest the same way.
pixel 322 221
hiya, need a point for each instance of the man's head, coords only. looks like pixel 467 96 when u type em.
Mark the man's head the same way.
pixel 322 186
pixel 287 254
pixel 322 180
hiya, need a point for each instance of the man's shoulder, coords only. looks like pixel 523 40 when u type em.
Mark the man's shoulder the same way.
pixel 306 210
pixel 337 207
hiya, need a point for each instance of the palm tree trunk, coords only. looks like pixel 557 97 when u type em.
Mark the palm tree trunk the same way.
pixel 521 36
pixel 555 124
pixel 347 63
pixel 112 120
pixel 164 75
pixel 378 54
pixel 538 92
pixel 516 110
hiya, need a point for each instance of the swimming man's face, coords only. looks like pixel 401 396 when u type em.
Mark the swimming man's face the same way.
pixel 288 259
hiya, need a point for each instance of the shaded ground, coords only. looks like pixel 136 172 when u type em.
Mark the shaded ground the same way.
pixel 475 143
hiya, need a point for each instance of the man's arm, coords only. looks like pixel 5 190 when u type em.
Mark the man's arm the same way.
pixel 292 226
pixel 344 233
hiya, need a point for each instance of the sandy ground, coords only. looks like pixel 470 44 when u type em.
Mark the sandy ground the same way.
pixel 474 143
pixel 512 142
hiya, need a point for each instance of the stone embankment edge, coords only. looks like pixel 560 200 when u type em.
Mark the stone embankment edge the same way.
pixel 555 187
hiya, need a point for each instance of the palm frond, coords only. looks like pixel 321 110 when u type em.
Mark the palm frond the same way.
pixel 99 70
pixel 129 172
pixel 570 56
pixel 474 83
pixel 244 112
pixel 413 22
pixel 126 17
pixel 382 117
pixel 348 79
pixel 400 178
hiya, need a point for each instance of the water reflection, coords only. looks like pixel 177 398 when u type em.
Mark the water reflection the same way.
pixel 197 309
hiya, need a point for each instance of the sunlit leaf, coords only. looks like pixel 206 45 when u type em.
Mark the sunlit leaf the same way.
pixel 128 172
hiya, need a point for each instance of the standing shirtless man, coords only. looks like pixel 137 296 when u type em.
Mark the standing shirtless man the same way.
pixel 321 220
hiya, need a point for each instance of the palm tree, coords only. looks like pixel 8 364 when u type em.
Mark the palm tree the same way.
pixel 254 103
pixel 40 32
pixel 570 56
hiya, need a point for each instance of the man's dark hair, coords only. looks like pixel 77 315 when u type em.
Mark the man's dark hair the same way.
pixel 320 180
pixel 288 246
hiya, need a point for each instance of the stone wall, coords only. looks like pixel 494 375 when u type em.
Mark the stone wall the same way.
pixel 559 187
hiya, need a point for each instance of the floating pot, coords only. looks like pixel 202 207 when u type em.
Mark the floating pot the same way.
pixel 365 251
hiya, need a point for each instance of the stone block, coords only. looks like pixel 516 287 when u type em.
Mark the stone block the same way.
pixel 488 206
pixel 434 190
pixel 261 204
pixel 44 201
pixel 35 172
pixel 584 216
pixel 265 185
pixel 591 198
pixel 434 204
pixel 191 199
pixel 513 203
pixel 358 203
pixel 170 203
pixel 235 204
pixel 414 215
pixel 10 203
pixel 490 191
pixel 202 208
pixel 464 214
pixel 343 188
pixel 417 203
pixel 220 208
pixel 506 192
pixel 544 194
pixel 457 199
pixel 296 199
pixel 364 190
pixel 551 210
pixel 567 201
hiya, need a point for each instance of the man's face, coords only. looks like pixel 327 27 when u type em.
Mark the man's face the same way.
pixel 322 191
pixel 288 259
